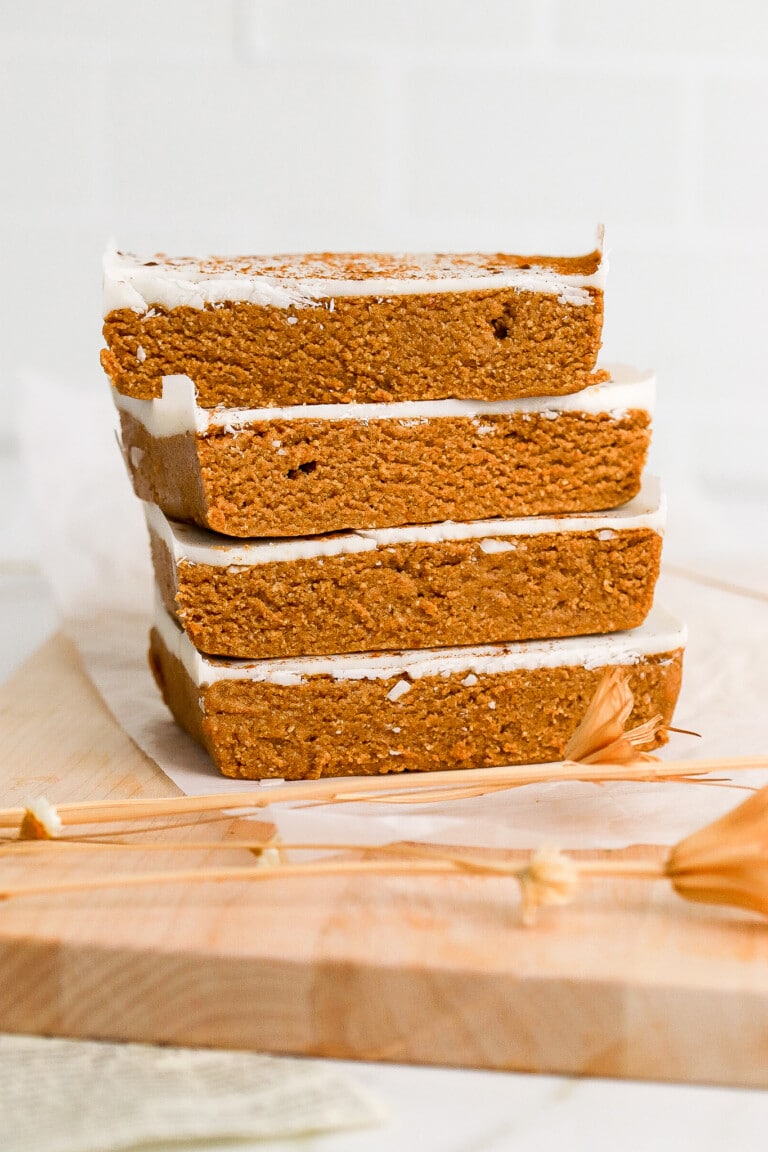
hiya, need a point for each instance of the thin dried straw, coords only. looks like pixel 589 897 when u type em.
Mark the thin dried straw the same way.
pixel 224 875
pixel 548 877
pixel 724 863
pixel 422 787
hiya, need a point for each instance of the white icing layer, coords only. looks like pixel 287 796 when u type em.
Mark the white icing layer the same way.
pixel 177 411
pixel 301 282
pixel 196 546
pixel 660 633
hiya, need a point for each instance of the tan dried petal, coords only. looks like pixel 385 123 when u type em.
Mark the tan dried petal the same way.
pixel 726 862
pixel 600 737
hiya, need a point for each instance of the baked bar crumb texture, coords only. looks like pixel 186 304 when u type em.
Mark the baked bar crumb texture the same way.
pixel 421 588
pixel 325 329
pixel 302 476
pixel 327 726
pixel 418 596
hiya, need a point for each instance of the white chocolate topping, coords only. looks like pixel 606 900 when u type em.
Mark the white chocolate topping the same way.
pixel 661 633
pixel 139 283
pixel 177 410
pixel 192 545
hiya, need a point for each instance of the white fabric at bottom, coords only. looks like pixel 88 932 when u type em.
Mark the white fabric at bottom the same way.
pixel 75 1096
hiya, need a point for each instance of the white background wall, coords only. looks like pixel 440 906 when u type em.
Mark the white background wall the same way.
pixel 495 124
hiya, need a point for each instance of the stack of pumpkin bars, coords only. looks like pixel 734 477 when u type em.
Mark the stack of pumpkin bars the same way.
pixel 398 517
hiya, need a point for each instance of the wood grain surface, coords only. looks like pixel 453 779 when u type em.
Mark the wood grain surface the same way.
pixel 627 981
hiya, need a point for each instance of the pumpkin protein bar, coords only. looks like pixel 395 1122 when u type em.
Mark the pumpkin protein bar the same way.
pixel 423 587
pixel 259 331
pixel 407 461
pixel 418 710
pixel 313 469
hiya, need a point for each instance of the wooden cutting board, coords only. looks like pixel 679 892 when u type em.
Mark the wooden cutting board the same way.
pixel 628 981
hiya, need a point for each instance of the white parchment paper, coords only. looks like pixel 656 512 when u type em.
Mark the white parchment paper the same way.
pixel 94 551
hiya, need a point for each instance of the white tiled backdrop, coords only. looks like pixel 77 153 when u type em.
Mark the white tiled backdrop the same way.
pixel 328 124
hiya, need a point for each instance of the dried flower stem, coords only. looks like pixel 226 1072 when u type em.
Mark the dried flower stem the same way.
pixel 647 869
pixel 404 863
pixel 223 875
pixel 724 863
pixel 642 869
pixel 12 847
pixel 418 787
